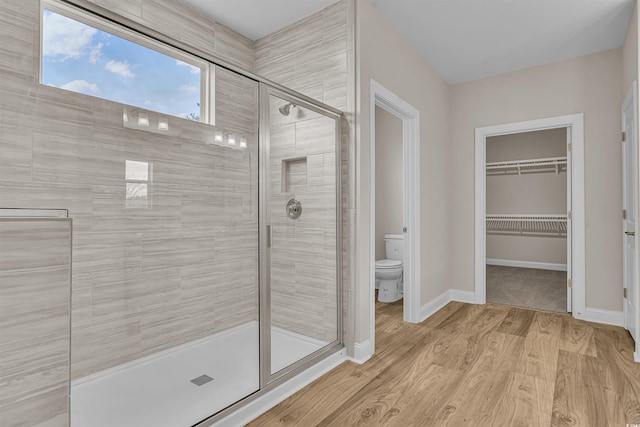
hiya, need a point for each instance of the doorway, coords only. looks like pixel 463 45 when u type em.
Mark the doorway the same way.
pixel 392 104
pixel 527 200
pixel 389 216
pixel 573 219
pixel 629 214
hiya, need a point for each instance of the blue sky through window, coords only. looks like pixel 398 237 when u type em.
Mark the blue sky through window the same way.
pixel 87 60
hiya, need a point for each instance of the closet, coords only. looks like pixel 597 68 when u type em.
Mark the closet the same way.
pixel 526 220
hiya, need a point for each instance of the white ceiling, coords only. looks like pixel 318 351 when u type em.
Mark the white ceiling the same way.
pixel 463 40
pixel 470 39
pixel 258 18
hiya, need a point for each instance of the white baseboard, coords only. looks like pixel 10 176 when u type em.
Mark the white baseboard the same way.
pixel 428 309
pixel 463 296
pixel 527 264
pixel 608 317
pixel 262 404
pixel 362 352
pixel 434 305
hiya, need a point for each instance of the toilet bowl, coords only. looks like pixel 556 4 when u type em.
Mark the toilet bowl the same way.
pixel 389 271
pixel 389 280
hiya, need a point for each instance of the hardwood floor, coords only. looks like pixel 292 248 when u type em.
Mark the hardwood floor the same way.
pixel 477 365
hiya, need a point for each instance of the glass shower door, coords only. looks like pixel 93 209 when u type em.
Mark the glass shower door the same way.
pixel 165 312
pixel 299 207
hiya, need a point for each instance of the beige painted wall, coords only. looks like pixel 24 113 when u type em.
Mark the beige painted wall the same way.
pixel 589 85
pixel 388 59
pixel 528 193
pixel 630 53
pixel 388 177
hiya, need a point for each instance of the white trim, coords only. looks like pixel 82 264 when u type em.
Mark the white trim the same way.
pixel 596 315
pixel 430 308
pixel 636 354
pixel 262 404
pixel 578 263
pixel 387 100
pixel 631 98
pixel 362 352
pixel 607 317
pixel 527 264
pixel 463 296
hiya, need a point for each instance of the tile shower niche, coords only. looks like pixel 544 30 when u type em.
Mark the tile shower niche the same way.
pixel 294 175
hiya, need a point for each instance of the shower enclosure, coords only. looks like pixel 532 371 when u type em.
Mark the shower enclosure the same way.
pixel 300 206
pixel 158 268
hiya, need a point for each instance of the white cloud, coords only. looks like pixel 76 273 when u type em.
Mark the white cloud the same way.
pixel 187 88
pixel 95 52
pixel 82 86
pixel 147 103
pixel 193 68
pixel 67 38
pixel 121 68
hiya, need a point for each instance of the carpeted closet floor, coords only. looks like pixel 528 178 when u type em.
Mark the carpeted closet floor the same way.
pixel 527 287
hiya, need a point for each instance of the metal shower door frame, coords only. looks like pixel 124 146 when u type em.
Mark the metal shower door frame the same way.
pixel 267 379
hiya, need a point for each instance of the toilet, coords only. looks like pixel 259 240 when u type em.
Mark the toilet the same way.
pixel 389 270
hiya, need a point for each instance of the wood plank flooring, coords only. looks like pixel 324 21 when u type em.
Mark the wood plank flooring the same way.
pixel 477 365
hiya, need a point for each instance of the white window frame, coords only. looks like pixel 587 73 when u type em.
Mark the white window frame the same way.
pixel 207 74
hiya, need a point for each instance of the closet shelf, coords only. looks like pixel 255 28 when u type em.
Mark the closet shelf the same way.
pixel 546 164
pixel 535 223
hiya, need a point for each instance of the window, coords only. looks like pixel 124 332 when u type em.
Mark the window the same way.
pixel 83 54
pixel 138 184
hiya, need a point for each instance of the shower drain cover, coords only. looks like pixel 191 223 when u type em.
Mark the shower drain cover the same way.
pixel 201 380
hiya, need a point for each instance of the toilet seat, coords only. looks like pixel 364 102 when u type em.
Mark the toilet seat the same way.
pixel 388 264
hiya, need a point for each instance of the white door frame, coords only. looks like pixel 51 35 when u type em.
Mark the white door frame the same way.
pixel 576 123
pixel 631 100
pixel 388 101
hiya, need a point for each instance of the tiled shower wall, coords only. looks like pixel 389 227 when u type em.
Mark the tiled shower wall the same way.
pixel 144 280
pixel 34 314
pixel 182 23
pixel 315 56
pixel 303 250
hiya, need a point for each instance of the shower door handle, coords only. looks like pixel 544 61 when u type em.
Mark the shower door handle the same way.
pixel 630 233
pixel 268 236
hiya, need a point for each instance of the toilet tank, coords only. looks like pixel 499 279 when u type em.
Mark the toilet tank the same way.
pixel 393 246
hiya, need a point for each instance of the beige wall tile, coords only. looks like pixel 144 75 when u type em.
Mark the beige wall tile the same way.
pixel 35 287
pixel 142 276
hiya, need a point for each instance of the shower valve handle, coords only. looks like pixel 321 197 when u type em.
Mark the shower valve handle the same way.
pixel 294 209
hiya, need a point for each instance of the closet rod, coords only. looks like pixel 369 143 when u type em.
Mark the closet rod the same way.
pixel 527 223
pixel 547 163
